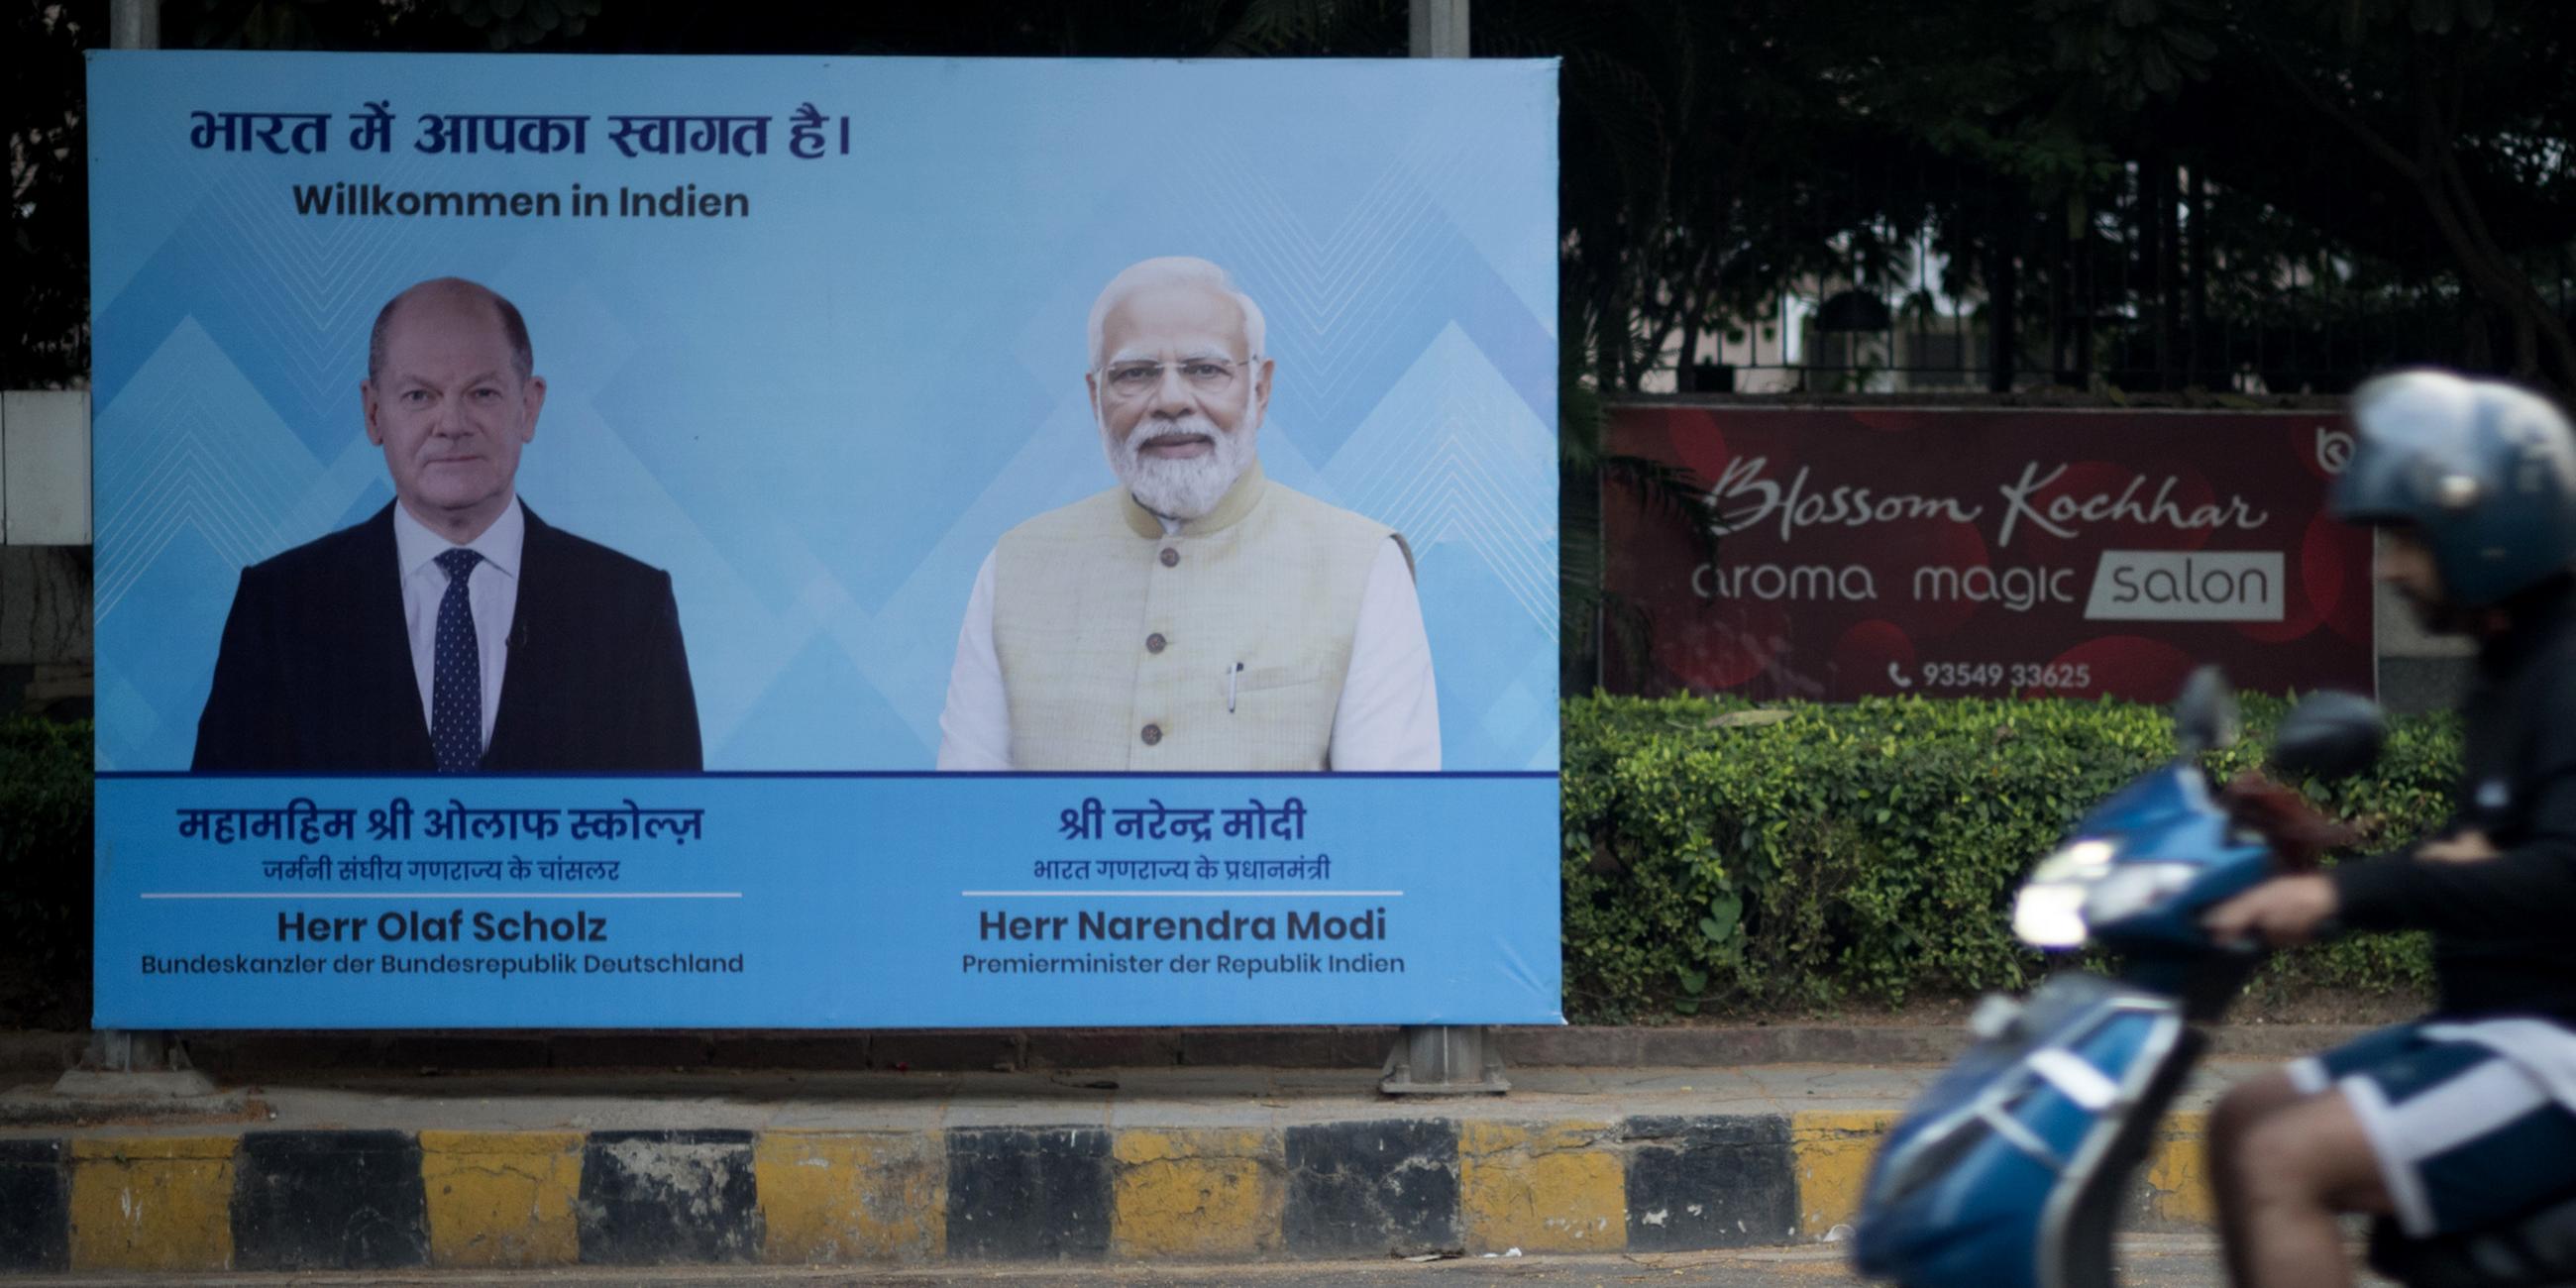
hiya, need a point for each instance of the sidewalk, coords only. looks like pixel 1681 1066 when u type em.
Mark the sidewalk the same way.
pixel 386 1169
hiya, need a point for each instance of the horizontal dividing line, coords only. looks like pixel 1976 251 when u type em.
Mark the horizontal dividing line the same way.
pixel 445 782
pixel 548 894
pixel 1181 894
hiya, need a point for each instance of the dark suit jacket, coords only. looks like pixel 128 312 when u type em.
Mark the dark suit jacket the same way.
pixel 316 670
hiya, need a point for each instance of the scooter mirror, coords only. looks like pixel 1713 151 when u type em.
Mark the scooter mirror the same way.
pixel 2330 735
pixel 2205 714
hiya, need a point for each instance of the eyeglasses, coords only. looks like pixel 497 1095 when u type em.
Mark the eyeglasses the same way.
pixel 1207 375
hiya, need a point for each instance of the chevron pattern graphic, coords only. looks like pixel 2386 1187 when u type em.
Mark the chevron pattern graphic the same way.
pixel 819 417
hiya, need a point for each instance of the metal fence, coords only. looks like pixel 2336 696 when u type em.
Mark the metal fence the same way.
pixel 2164 283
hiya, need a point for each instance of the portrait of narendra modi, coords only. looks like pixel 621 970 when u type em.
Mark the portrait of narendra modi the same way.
pixel 1194 615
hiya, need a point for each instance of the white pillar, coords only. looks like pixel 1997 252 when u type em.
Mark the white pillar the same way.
pixel 1440 28
pixel 134 24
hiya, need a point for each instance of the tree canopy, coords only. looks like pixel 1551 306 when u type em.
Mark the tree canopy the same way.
pixel 2143 193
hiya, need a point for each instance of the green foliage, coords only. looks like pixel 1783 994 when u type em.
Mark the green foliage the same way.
pixel 1717 157
pixel 1716 855
pixel 44 344
pixel 2134 49
pixel 1662 491
pixel 45 866
pixel 496 25
pixel 1721 856
pixel 509 23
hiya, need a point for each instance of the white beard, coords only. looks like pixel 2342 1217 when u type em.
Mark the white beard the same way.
pixel 1184 487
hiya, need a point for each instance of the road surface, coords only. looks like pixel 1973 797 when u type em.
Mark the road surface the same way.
pixel 2146 1261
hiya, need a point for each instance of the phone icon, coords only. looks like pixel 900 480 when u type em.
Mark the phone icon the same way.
pixel 1896 673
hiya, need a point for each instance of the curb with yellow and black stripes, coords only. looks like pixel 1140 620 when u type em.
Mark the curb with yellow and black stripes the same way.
pixel 359 1200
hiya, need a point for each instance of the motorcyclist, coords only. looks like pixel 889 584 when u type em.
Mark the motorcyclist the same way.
pixel 2466 1118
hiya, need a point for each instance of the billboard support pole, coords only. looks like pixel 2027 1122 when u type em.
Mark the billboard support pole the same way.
pixel 1439 28
pixel 1442 1059
pixel 134 24
pixel 125 1065
pixel 124 1062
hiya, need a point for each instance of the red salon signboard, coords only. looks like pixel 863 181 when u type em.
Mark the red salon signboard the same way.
pixel 1989 552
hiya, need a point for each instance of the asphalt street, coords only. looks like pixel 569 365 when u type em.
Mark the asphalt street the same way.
pixel 2146 1261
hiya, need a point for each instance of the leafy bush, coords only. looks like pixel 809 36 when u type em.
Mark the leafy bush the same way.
pixel 1717 855
pixel 45 871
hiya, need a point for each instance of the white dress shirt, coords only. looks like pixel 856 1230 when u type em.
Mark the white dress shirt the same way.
pixel 492 591
pixel 1388 717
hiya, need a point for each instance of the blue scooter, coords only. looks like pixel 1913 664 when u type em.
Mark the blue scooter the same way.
pixel 2011 1170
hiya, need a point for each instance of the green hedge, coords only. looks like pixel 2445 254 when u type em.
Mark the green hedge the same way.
pixel 1724 857
pixel 44 871
pixel 1715 855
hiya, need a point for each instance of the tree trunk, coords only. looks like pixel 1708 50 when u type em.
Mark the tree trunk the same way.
pixel 2057 296
pixel 2160 264
pixel 1611 320
pixel 2003 295
pixel 2195 359
pixel 2088 287
pixel 1685 371
pixel 2543 349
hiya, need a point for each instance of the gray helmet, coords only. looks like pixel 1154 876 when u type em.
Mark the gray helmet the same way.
pixel 2484 471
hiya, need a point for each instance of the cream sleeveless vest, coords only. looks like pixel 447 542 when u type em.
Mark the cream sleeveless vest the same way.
pixel 1219 647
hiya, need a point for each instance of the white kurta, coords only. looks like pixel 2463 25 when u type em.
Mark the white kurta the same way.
pixel 1381 714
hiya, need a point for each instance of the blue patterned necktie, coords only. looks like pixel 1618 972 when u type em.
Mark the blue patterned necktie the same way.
pixel 456 676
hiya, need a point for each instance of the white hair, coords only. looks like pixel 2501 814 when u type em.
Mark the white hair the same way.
pixel 1171 270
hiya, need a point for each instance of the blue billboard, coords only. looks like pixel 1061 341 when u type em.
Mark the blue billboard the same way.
pixel 780 542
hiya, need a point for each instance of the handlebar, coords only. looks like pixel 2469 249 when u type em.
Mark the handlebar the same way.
pixel 2284 819
pixel 2248 946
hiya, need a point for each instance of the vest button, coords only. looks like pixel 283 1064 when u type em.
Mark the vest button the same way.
pixel 1153 734
pixel 1170 556
pixel 1154 642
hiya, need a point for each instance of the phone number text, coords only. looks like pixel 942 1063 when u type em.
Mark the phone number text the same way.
pixel 2018 675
